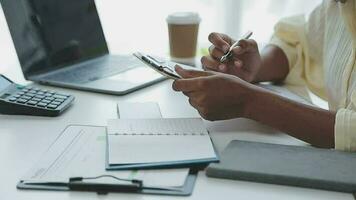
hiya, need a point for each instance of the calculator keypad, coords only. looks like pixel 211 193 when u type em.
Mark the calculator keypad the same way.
pixel 37 97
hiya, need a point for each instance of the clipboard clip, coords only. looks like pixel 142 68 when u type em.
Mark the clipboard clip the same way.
pixel 157 65
pixel 78 184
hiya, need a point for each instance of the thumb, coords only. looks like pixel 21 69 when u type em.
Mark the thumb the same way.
pixel 186 73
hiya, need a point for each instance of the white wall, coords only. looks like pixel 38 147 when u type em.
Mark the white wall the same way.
pixel 260 15
pixel 137 24
pixel 132 25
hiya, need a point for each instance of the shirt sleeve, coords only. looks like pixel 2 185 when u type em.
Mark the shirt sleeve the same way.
pixel 345 127
pixel 302 42
pixel 345 122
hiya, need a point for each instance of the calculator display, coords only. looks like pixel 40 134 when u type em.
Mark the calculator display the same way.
pixel 4 83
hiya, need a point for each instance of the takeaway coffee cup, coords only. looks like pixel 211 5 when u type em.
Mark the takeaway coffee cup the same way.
pixel 183 30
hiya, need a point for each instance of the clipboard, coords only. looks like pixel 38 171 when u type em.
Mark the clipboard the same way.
pixel 185 190
pixel 157 65
pixel 87 135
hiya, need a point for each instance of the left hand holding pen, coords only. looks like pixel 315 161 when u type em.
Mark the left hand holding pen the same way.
pixel 215 95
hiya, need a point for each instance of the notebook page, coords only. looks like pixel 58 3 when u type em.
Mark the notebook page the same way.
pixel 134 110
pixel 133 141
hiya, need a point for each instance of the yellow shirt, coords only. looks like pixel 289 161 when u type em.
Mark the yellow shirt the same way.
pixel 321 55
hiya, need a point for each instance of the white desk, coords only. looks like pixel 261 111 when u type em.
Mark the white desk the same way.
pixel 23 139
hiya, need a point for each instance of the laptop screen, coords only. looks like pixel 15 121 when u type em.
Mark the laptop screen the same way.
pixel 51 34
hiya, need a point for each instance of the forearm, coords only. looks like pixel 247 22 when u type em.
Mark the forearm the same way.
pixel 310 124
pixel 274 65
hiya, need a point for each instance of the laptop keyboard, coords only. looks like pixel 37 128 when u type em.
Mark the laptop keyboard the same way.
pixel 98 69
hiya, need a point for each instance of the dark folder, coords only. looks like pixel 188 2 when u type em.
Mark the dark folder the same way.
pixel 287 165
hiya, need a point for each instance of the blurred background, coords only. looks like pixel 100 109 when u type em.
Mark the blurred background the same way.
pixel 135 25
pixel 141 24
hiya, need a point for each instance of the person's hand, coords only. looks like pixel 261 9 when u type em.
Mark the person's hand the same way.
pixel 244 63
pixel 216 96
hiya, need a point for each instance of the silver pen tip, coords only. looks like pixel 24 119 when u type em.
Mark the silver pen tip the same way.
pixel 223 58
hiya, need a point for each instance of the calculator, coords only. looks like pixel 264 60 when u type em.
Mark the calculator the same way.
pixel 17 99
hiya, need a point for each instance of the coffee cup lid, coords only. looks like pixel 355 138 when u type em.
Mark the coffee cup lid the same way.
pixel 183 18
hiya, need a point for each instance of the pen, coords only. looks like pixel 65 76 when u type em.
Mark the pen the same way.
pixel 229 53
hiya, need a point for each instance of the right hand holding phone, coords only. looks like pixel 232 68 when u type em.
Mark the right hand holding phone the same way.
pixel 245 61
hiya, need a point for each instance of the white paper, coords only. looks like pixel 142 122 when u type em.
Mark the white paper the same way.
pixel 80 152
pixel 135 110
pixel 134 141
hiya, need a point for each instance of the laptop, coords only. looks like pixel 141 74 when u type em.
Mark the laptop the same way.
pixel 62 43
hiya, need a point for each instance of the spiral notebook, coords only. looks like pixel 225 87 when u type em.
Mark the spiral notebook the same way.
pixel 158 143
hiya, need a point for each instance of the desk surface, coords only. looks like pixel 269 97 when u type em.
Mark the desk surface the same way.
pixel 23 139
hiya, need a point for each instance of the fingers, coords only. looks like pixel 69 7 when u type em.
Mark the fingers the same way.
pixel 185 73
pixel 238 63
pixel 221 45
pixel 213 62
pixel 241 71
pixel 191 80
pixel 185 85
pixel 215 52
pixel 193 103
pixel 210 63
pixel 245 46
pixel 220 41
